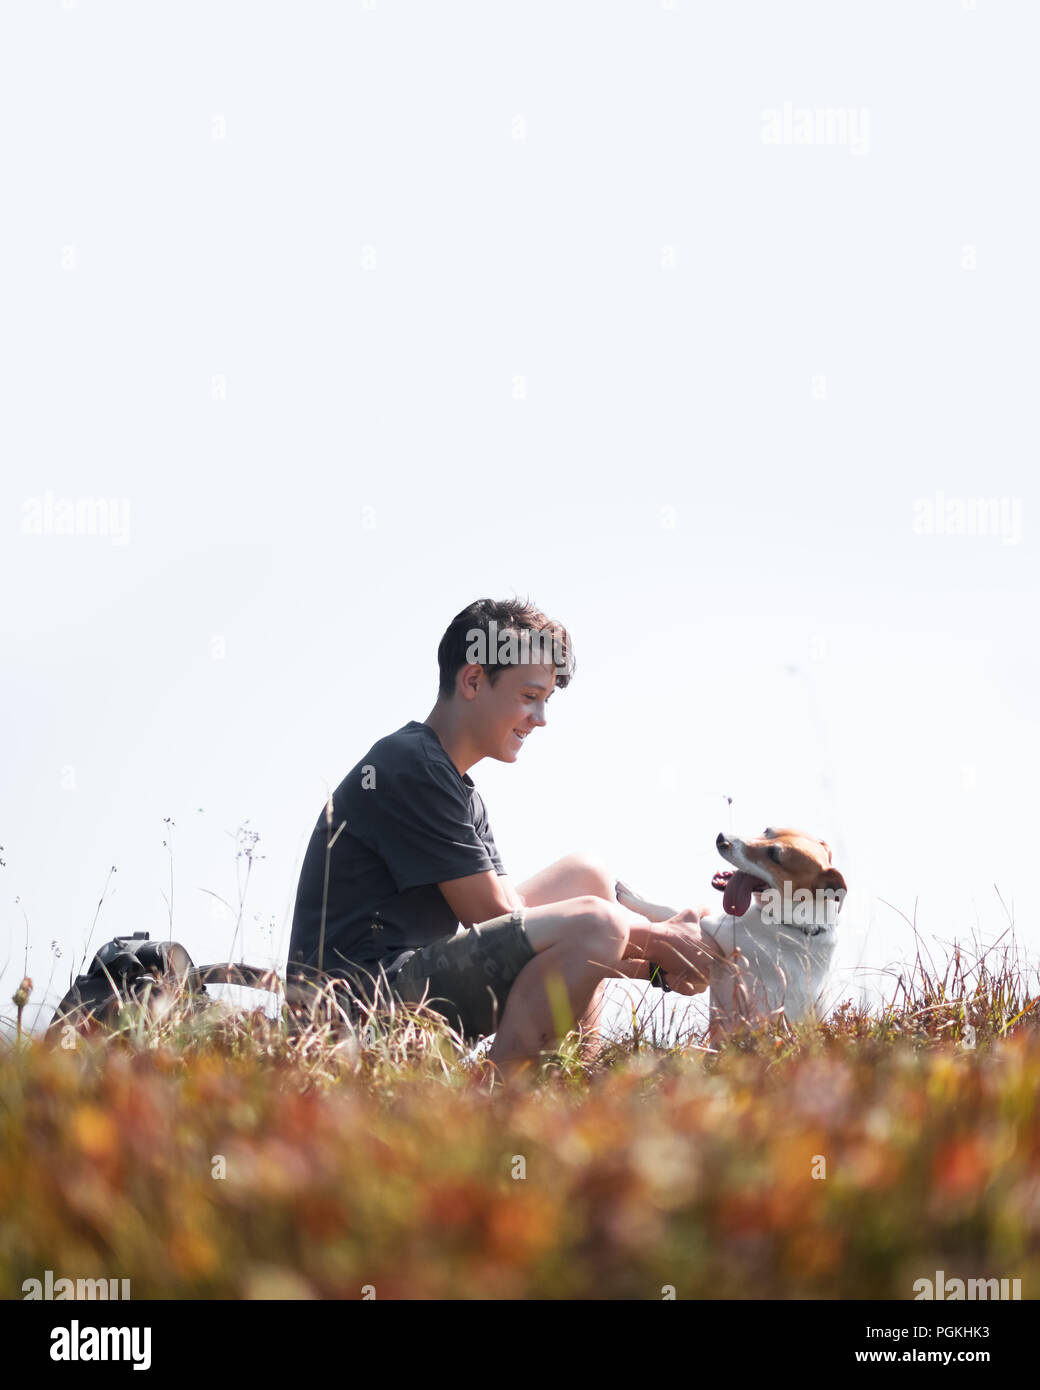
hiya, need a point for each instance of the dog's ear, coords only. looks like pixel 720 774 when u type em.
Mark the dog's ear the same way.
pixel 831 879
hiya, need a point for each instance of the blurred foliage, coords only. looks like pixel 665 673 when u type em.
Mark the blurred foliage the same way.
pixel 225 1155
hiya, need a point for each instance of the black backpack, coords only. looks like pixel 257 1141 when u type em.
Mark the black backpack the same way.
pixel 135 969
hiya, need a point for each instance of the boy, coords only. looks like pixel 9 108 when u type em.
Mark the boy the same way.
pixel 404 853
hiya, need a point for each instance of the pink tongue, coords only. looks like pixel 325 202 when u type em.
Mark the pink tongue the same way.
pixel 736 897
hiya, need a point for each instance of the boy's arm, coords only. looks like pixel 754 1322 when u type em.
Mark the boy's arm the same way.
pixel 479 897
pixel 515 899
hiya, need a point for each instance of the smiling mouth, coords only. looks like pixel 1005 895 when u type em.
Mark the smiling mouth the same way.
pixel 520 736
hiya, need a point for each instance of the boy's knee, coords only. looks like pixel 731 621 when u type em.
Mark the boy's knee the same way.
pixel 604 925
pixel 590 875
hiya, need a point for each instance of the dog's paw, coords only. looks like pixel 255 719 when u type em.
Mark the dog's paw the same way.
pixel 628 897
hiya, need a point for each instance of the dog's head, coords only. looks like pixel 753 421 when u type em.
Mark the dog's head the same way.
pixel 777 858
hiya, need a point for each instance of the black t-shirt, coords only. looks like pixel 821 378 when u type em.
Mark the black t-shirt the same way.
pixel 410 821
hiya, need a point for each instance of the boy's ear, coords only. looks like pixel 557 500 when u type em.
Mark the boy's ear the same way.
pixel 832 879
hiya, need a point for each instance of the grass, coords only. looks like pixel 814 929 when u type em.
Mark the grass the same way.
pixel 224 1154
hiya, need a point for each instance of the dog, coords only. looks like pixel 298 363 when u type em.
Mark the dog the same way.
pixel 780 901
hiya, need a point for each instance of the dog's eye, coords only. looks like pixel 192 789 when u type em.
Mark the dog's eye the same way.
pixel 774 853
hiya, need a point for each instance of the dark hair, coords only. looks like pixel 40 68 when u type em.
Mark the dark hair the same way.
pixel 471 629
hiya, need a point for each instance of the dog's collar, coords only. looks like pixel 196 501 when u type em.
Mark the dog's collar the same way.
pixel 814 926
pixel 809 929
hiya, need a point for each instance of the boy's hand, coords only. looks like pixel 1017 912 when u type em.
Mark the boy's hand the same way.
pixel 682 952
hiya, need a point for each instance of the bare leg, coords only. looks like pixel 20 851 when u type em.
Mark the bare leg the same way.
pixel 571 877
pixel 577 944
pixel 579 934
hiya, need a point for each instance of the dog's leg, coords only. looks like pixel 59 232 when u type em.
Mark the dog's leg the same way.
pixel 652 911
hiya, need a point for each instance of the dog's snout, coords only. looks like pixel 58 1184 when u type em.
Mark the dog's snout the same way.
pixel 721 842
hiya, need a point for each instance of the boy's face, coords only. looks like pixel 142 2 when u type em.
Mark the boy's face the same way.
pixel 512 708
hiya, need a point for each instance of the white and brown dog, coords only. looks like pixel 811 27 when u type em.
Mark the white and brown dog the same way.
pixel 786 938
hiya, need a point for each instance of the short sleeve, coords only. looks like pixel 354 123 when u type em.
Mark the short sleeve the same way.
pixel 418 820
pixel 483 828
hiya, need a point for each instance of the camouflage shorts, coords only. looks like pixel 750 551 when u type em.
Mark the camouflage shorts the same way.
pixel 467 977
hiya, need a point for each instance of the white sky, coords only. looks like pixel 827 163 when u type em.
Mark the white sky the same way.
pixel 525 281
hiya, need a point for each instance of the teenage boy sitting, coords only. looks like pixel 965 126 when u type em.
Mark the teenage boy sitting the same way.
pixel 404 853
